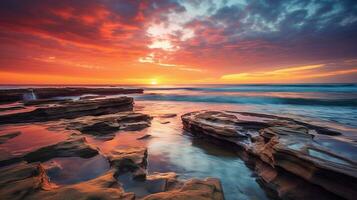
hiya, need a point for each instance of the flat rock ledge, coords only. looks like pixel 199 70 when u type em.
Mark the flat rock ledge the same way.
pixel 74 146
pixel 12 95
pixel 105 126
pixel 207 189
pixel 133 160
pixel 281 146
pixel 29 181
pixel 71 109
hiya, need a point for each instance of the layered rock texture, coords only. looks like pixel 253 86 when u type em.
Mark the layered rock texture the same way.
pixel 74 146
pixel 23 175
pixel 12 95
pixel 105 126
pixel 290 162
pixel 71 109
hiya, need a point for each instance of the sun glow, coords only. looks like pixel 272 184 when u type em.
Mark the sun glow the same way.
pixel 153 82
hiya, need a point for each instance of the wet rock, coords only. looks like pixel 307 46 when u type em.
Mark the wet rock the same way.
pixel 11 108
pixel 106 126
pixel 281 144
pixel 21 180
pixel 72 147
pixel 319 129
pixel 147 136
pixel 46 101
pixel 105 187
pixel 212 123
pixel 91 97
pixel 132 160
pixel 160 182
pixel 169 115
pixel 208 189
pixel 6 137
pixel 72 109
pixel 29 181
pixel 12 95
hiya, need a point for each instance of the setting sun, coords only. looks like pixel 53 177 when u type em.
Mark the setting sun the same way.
pixel 153 82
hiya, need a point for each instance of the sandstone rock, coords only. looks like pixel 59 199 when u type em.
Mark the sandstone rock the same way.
pixel 144 137
pixel 105 126
pixel 169 115
pixel 168 181
pixel 105 187
pixel 70 110
pixel 11 108
pixel 29 181
pixel 284 144
pixel 21 180
pixel 208 189
pixel 46 101
pixel 132 160
pixel 211 122
pixel 12 95
pixel 73 147
pixel 6 137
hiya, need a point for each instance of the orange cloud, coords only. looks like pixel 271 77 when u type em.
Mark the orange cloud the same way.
pixel 291 74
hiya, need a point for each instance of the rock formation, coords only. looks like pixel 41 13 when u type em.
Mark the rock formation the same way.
pixel 281 144
pixel 105 126
pixel 71 110
pixel 12 95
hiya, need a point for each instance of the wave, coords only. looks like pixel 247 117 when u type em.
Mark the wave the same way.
pixel 351 87
pixel 250 100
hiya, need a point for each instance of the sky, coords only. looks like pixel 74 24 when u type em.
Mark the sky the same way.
pixel 177 41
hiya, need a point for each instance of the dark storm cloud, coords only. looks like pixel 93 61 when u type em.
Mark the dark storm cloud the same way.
pixel 299 28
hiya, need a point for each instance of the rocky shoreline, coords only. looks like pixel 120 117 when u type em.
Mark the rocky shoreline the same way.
pixel 285 154
pixel 13 95
pixel 25 177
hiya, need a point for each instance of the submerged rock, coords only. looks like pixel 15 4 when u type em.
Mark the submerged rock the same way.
pixel 144 137
pixel 30 181
pixel 208 189
pixel 6 137
pixel 106 126
pixel 281 144
pixel 72 147
pixel 21 180
pixel 133 160
pixel 104 187
pixel 169 115
pixel 71 109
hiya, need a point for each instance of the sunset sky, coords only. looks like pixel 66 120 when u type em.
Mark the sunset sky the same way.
pixel 177 41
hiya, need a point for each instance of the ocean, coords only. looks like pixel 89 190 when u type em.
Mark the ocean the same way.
pixel 335 103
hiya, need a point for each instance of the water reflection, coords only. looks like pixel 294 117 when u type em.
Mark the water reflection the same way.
pixel 171 150
pixel 32 137
pixel 74 170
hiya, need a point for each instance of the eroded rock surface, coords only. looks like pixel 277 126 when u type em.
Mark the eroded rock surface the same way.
pixel 104 187
pixel 73 147
pixel 132 160
pixel 208 189
pixel 11 95
pixel 282 144
pixel 71 109
pixel 6 137
pixel 105 126
pixel 21 180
